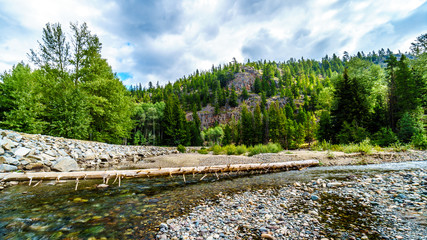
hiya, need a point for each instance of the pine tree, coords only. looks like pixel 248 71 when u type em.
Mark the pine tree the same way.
pixel 258 128
pixel 246 122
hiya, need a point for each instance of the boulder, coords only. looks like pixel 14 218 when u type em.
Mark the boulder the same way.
pixel 1 150
pixel 22 151
pixel 7 168
pixel 65 164
pixel 12 161
pixel 6 144
pixel 32 166
pixel 89 155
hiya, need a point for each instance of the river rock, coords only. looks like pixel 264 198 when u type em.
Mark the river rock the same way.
pixel 6 144
pixel 1 150
pixel 12 161
pixel 7 168
pixel 65 164
pixel 267 236
pixel 33 166
pixel 22 151
pixel 89 155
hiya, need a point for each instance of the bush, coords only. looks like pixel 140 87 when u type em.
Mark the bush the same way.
pixel 216 149
pixel 241 149
pixel 352 133
pixel 274 148
pixel 385 137
pixel 181 148
pixel 203 151
pixel 322 146
pixel 230 149
pixel 419 141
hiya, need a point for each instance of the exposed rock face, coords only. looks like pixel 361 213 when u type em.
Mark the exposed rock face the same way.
pixel 45 153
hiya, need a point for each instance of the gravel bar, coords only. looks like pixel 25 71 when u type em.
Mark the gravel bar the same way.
pixel 388 205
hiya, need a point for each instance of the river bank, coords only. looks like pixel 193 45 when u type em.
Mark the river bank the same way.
pixel 387 205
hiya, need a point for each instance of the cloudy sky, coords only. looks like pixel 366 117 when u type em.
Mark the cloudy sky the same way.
pixel 164 40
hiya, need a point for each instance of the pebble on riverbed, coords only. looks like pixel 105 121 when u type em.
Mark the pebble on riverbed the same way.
pixel 389 205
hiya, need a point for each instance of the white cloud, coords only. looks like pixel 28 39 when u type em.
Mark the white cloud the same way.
pixel 175 41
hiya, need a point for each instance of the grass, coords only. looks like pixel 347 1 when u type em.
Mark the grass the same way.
pixel 362 147
pixel 242 149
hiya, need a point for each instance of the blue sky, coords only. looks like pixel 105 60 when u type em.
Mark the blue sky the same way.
pixel 164 40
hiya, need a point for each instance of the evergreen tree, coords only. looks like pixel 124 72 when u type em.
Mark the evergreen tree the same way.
pixel 245 94
pixel 258 128
pixel 246 126
pixel 257 86
pixel 233 98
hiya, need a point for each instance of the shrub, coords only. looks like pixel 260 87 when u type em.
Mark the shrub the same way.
pixel 216 149
pixel 419 141
pixel 203 151
pixel 385 137
pixel 274 148
pixel 181 148
pixel 241 149
pixel 322 146
pixel 230 149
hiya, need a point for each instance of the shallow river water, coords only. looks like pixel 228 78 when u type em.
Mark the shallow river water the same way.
pixel 136 208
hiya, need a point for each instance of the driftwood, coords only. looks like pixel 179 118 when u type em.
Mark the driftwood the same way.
pixel 119 174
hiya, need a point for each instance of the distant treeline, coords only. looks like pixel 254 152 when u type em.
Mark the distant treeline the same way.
pixel 74 93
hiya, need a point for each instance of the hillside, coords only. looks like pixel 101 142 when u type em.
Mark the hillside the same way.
pixel 75 94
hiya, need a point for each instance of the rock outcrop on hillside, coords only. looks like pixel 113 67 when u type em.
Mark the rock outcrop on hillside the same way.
pixel 45 153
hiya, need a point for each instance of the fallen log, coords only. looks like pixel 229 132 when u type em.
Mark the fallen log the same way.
pixel 139 173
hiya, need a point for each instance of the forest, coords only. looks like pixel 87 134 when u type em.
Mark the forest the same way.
pixel 72 92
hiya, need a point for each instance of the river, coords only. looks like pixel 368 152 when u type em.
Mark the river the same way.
pixel 138 206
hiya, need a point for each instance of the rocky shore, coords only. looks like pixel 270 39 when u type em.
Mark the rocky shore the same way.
pixel 19 151
pixel 388 205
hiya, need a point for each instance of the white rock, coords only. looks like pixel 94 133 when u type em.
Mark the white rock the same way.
pixel 22 151
pixel 66 164
pixel 7 168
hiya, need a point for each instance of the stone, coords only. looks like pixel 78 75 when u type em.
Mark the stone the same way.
pixel 22 151
pixel 6 144
pixel 51 153
pixel 47 157
pixel 314 197
pixel 163 226
pixel 7 168
pixel 102 185
pixel 15 136
pixel 267 236
pixel 66 164
pixel 32 166
pixel 1 150
pixel 12 161
pixel 89 155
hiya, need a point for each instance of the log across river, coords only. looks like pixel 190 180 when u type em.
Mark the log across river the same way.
pixel 157 172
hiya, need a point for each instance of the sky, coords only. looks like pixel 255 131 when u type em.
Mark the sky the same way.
pixel 163 40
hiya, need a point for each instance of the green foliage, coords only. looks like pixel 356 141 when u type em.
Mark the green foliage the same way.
pixel 384 137
pixel 260 148
pixel 230 149
pixel 213 135
pixel 419 141
pixel 352 133
pixel 216 149
pixel 408 126
pixel 203 151
pixel 181 149
pixel 241 149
